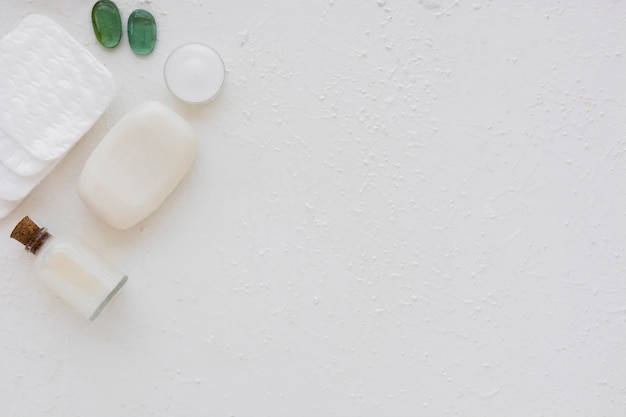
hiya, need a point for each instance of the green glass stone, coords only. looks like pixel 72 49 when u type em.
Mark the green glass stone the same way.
pixel 142 32
pixel 107 23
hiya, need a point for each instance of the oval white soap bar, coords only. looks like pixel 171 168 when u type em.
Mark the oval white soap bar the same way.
pixel 137 165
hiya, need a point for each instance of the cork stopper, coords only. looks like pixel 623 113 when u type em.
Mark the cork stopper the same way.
pixel 29 234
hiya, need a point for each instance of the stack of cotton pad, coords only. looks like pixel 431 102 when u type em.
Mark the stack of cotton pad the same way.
pixel 52 91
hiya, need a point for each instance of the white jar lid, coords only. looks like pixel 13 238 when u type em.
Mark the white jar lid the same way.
pixel 194 72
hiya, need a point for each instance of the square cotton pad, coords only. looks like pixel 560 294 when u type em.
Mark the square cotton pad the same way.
pixel 52 91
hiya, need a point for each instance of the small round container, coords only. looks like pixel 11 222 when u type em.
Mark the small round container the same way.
pixel 194 72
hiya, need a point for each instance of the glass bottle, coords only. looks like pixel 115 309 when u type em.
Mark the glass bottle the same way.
pixel 78 275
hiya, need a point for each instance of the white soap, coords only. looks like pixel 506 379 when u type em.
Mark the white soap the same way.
pixel 137 165
pixel 53 90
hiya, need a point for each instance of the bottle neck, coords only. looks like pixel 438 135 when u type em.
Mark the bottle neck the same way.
pixel 38 241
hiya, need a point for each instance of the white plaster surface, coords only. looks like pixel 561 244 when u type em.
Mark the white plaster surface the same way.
pixel 399 208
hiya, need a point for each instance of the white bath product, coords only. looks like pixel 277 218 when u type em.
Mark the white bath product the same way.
pixel 194 72
pixel 17 159
pixel 137 165
pixel 52 91
pixel 77 274
pixel 7 206
pixel 15 187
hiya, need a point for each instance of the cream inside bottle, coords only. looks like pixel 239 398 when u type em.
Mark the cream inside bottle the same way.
pixel 74 272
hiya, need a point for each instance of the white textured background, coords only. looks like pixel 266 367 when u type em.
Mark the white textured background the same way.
pixel 399 208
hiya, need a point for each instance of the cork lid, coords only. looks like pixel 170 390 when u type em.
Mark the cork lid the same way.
pixel 29 234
